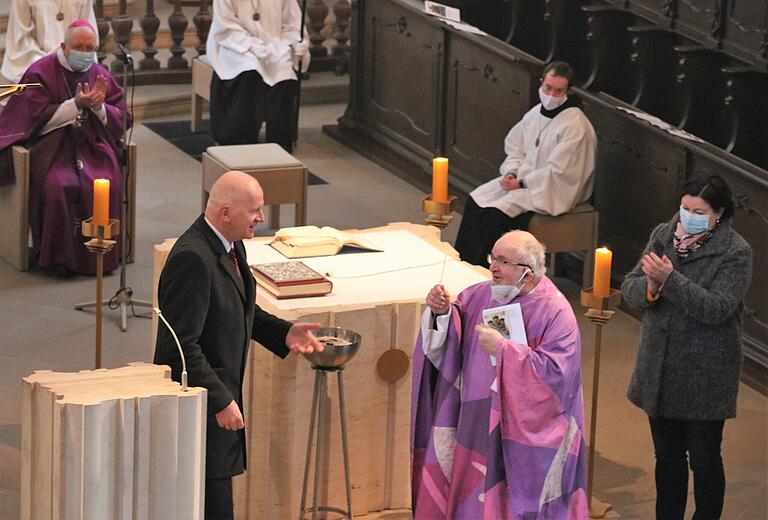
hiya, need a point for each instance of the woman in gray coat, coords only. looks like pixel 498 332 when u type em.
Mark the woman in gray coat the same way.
pixel 690 282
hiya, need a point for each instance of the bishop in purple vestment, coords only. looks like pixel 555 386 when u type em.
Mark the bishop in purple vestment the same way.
pixel 72 126
pixel 497 424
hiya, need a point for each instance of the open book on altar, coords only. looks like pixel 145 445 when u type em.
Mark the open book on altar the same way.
pixel 293 279
pixel 304 241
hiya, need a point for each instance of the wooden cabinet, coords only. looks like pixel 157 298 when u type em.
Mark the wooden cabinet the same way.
pixel 421 88
pixel 485 95
pixel 403 94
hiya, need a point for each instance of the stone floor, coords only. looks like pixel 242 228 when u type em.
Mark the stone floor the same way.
pixel 40 330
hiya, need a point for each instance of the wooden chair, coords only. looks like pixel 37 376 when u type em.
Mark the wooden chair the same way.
pixel 283 177
pixel 202 72
pixel 14 211
pixel 572 231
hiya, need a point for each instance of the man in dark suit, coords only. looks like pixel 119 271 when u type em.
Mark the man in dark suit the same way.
pixel 206 292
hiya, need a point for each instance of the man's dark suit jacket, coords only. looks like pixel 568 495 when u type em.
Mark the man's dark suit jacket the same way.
pixel 214 314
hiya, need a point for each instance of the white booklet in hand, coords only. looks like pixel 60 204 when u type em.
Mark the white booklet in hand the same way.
pixel 508 321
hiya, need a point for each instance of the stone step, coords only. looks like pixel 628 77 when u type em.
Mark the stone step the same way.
pixel 153 101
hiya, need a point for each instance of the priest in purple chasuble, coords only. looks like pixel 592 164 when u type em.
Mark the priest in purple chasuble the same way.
pixel 71 125
pixel 496 423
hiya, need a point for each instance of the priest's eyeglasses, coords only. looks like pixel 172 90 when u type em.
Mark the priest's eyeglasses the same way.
pixel 505 263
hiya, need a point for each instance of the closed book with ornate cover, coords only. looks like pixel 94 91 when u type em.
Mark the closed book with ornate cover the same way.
pixel 293 279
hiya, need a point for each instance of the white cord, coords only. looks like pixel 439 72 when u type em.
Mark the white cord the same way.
pixel 429 330
pixel 443 261
pixel 178 345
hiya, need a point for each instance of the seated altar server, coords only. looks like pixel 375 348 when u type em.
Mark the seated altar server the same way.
pixel 548 169
pixel 71 125
pixel 496 423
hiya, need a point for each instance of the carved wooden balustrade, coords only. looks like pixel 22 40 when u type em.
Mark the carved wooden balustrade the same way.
pixel 185 39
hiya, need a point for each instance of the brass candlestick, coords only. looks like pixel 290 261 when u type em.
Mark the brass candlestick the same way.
pixel 599 313
pixel 100 245
pixel 439 212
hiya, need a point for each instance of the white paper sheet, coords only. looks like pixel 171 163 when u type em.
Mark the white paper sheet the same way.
pixel 508 321
pixel 660 123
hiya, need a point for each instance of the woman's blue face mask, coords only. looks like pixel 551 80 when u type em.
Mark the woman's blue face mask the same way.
pixel 693 222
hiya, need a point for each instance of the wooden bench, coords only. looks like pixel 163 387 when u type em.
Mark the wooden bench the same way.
pixel 14 211
pixel 202 72
pixel 572 231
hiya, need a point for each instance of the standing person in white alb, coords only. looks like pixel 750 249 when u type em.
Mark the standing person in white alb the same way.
pixel 548 169
pixel 254 47
pixel 37 28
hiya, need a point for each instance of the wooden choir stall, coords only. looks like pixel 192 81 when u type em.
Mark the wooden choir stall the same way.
pixel 697 65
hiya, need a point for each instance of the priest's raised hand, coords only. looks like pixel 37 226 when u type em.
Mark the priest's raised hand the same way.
pixel 438 300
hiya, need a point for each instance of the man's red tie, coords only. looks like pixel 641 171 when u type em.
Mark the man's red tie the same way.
pixel 234 261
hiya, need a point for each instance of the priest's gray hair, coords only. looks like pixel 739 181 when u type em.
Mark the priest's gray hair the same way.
pixel 530 251
pixel 72 30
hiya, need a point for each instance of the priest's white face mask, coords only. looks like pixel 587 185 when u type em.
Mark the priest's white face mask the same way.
pixel 504 292
pixel 551 102
pixel 553 91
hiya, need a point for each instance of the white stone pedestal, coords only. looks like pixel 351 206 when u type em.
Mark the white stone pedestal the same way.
pixel 123 444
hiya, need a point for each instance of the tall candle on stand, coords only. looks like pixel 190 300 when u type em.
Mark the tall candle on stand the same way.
pixel 101 202
pixel 602 281
pixel 440 179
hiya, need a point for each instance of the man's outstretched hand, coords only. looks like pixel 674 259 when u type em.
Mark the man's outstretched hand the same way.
pixel 301 340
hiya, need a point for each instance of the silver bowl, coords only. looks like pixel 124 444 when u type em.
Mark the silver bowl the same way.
pixel 334 356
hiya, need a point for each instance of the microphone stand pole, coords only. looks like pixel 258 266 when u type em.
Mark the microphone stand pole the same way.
pixel 299 74
pixel 124 295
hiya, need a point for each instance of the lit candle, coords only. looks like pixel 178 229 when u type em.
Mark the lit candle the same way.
pixel 101 202
pixel 602 281
pixel 440 179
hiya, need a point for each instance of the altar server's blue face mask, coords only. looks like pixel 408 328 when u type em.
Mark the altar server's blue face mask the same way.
pixel 79 60
pixel 693 222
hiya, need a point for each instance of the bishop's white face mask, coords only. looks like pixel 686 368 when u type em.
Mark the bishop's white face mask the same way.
pixel 551 102
pixel 506 293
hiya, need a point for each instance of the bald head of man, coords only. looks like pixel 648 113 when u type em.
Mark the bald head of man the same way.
pixel 235 205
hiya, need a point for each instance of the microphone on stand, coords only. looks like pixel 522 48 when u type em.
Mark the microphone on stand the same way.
pixel 178 345
pixel 126 53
